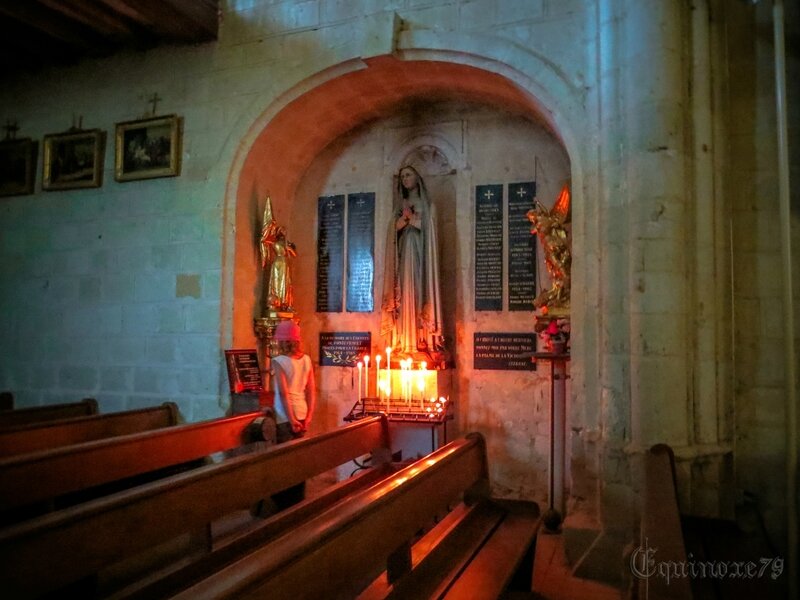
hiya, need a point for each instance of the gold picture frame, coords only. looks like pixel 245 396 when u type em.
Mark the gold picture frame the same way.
pixel 73 159
pixel 148 148
pixel 18 166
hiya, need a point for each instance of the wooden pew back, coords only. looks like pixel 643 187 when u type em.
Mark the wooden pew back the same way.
pixel 48 474
pixel 34 437
pixel 336 554
pixel 38 414
pixel 661 527
pixel 48 552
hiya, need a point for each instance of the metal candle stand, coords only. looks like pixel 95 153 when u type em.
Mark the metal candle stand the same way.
pixel 402 411
pixel 554 515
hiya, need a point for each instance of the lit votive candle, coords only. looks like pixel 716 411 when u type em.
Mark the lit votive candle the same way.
pixel 378 375
pixel 358 395
pixel 389 371
pixel 366 376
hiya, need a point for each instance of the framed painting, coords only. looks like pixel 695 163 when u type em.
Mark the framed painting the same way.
pixel 73 159
pixel 148 148
pixel 18 166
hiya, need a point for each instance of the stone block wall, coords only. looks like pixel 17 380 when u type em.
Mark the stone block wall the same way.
pixel 124 292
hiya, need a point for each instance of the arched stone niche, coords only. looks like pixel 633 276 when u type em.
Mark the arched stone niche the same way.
pixel 461 126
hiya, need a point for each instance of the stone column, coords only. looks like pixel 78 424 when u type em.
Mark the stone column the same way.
pixel 655 88
pixel 677 275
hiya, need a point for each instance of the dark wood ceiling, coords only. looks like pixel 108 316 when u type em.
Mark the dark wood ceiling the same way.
pixel 40 33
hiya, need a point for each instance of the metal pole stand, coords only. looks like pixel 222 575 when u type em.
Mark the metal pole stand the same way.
pixel 556 511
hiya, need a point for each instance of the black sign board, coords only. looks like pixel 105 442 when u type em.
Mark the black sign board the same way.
pixel 489 247
pixel 330 253
pixel 504 351
pixel 521 247
pixel 343 348
pixel 244 373
pixel 360 245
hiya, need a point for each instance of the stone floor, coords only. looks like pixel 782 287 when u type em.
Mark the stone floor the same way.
pixel 553 579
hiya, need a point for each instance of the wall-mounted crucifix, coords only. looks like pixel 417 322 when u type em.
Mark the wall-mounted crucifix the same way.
pixel 11 128
pixel 154 100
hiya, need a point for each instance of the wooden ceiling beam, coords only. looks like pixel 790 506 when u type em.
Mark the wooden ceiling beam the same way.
pixel 35 33
pixel 204 13
pixel 94 16
pixel 53 25
pixel 169 20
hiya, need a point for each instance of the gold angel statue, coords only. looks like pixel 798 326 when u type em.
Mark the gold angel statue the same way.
pixel 550 226
pixel 275 253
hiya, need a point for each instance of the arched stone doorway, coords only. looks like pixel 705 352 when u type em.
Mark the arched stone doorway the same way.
pixel 298 147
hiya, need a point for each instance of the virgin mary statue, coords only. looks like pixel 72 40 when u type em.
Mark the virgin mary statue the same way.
pixel 411 317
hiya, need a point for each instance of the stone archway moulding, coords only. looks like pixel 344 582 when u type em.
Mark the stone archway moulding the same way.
pixel 279 143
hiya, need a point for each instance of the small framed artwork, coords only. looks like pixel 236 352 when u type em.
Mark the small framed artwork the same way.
pixel 73 159
pixel 17 166
pixel 148 148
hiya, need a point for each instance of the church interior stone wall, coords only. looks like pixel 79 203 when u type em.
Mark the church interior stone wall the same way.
pixel 131 291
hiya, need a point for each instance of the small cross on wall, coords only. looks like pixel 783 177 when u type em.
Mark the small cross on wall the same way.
pixel 11 128
pixel 154 100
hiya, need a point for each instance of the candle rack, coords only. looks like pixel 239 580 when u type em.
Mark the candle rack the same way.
pixel 402 410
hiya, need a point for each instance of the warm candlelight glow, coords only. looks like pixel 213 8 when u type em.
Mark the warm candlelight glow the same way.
pixel 403 380
pixel 389 371
pixel 366 376
pixel 358 395
pixel 384 390
pixel 378 375
pixel 410 379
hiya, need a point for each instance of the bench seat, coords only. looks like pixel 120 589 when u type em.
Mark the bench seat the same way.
pixel 477 547
pixel 474 552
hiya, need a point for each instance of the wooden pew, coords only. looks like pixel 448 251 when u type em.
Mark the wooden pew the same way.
pixel 38 414
pixel 48 474
pixel 49 552
pixel 661 528
pixel 52 434
pixel 473 552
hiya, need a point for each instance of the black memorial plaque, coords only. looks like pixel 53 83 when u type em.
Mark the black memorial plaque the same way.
pixel 504 351
pixel 343 348
pixel 521 247
pixel 330 253
pixel 244 373
pixel 489 247
pixel 360 251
